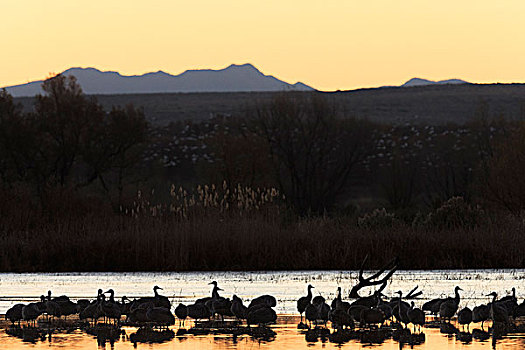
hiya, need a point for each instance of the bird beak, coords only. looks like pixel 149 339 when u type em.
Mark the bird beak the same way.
pixel 220 289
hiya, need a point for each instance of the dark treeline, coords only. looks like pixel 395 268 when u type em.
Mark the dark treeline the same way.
pixel 293 183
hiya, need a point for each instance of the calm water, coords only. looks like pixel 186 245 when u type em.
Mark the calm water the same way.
pixel 286 286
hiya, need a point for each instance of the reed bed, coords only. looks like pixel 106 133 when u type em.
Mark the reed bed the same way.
pixel 196 231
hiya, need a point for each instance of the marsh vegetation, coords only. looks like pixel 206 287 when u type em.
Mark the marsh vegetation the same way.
pixel 294 183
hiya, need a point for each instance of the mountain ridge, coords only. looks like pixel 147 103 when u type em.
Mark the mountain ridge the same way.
pixel 234 78
pixel 421 82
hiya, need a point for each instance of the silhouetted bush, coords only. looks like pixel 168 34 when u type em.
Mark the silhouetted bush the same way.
pixel 378 219
pixel 453 213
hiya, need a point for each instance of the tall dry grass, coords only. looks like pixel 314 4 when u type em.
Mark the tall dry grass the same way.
pixel 79 234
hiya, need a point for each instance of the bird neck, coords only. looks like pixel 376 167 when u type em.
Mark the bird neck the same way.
pixel 215 292
pixel 456 297
pixel 309 295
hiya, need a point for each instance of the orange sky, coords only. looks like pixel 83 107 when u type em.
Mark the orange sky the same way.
pixel 329 44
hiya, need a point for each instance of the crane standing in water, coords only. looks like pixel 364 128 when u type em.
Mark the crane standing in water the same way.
pixel 303 302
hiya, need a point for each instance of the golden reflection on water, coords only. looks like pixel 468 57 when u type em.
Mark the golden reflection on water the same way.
pixel 288 337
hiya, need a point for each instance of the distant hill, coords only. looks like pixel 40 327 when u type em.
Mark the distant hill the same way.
pixel 423 82
pixel 235 78
pixel 430 104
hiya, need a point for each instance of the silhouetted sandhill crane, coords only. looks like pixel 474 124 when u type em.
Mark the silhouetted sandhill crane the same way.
pixel 339 316
pixel 261 316
pixel 498 313
pixel 14 314
pixel 125 305
pixel 369 301
pixel 303 302
pixel 323 311
pixel 448 308
pixel 465 317
pixel 433 306
pixel 198 311
pixel 145 304
pixel 337 297
pixel 139 315
pixel 510 302
pixel 181 311
pixel 52 307
pixel 371 316
pixel 322 308
pixel 92 310
pixel 110 308
pixel 267 300
pixel 160 316
pixel 416 316
pixel 82 304
pixel 386 309
pixel 67 307
pixel 222 307
pixel 239 310
pixel 215 290
pixel 161 300
pixel 41 305
pixel 57 299
pixel 355 311
pixel 217 304
pixel 148 302
pixel 214 293
pixel 30 313
pixel 481 314
pixel 519 311
pixel 311 313
pixel 318 300
pixel 344 304
pixel 401 309
pixel 509 297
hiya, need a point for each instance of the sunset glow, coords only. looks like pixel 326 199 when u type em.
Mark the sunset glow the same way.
pixel 329 45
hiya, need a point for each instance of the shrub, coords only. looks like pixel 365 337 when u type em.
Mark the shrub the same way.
pixel 453 213
pixel 378 218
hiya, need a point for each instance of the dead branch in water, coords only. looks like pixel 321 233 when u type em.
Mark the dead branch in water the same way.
pixel 374 280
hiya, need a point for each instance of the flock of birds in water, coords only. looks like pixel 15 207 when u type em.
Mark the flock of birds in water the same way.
pixel 155 310
pixel 368 312
pixel 374 310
